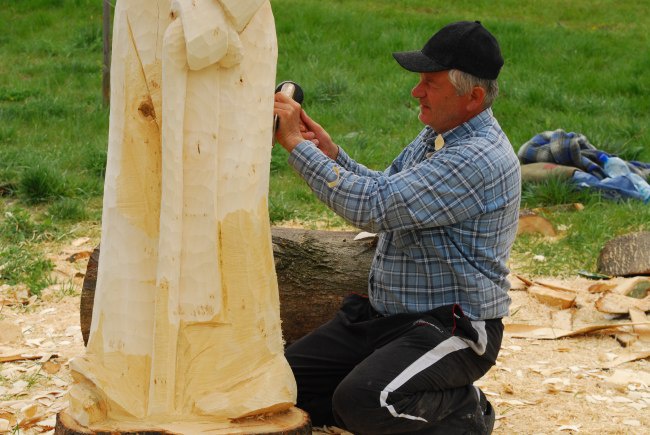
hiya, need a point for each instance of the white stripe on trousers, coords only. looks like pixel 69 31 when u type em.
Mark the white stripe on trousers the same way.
pixel 452 344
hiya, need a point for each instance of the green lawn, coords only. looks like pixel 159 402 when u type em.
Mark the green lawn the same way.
pixel 579 66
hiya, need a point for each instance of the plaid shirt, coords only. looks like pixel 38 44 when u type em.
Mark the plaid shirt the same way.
pixel 446 219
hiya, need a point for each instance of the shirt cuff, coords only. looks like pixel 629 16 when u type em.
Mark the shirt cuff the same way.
pixel 302 154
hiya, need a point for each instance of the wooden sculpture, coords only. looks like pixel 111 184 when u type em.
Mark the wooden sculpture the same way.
pixel 186 331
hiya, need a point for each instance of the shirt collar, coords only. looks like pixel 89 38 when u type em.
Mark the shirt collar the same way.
pixel 462 131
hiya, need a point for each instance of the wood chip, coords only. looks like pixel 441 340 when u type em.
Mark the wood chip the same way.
pixel 562 319
pixel 636 287
pixel 514 402
pixel 625 338
pixel 629 377
pixel 364 235
pixel 30 410
pixel 14 295
pixel 601 287
pixel 555 286
pixel 629 422
pixel 614 303
pixel 628 358
pixel 638 316
pixel 51 367
pixel 570 427
pixel 5 425
pixel 520 330
pixel 80 241
pixel 48 423
pixel 554 298
pixel 525 280
pixel 516 283
pixel 82 255
pixel 18 357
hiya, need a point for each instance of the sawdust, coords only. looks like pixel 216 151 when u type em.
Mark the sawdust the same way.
pixel 571 385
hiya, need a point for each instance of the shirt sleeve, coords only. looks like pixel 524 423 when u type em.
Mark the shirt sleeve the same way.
pixel 441 190
pixel 349 164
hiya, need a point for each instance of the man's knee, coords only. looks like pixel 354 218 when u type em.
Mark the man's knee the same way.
pixel 357 408
pixel 350 404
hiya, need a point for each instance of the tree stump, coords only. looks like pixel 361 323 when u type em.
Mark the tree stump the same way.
pixel 315 269
pixel 626 255
pixel 531 222
pixel 291 422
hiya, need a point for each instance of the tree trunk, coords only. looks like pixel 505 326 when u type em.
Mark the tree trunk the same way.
pixel 315 270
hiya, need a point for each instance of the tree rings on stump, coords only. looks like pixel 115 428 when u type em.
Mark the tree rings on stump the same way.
pixel 293 421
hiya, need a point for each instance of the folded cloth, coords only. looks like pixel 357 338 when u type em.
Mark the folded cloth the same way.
pixel 570 149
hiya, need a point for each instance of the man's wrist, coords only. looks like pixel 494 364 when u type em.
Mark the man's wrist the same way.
pixel 334 155
pixel 291 142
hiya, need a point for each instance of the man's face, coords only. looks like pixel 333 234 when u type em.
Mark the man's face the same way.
pixel 440 107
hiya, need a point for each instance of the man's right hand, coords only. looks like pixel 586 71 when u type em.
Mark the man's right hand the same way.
pixel 312 131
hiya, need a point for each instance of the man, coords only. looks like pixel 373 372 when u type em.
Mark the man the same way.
pixel 404 359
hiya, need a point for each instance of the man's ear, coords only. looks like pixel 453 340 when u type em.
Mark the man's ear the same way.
pixel 476 99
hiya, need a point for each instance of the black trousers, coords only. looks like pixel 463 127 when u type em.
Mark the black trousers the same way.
pixel 400 374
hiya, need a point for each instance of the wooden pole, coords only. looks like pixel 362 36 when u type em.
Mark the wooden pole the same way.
pixel 106 36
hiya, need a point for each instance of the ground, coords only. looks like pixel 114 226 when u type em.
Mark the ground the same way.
pixel 581 384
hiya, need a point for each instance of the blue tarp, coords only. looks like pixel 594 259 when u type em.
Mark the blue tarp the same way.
pixel 574 149
pixel 612 187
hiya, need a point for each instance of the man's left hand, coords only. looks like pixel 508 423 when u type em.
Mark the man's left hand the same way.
pixel 288 133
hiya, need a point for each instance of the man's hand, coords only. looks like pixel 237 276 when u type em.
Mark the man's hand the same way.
pixel 314 132
pixel 296 126
pixel 288 111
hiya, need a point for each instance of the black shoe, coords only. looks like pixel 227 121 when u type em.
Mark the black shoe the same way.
pixel 488 412
pixel 489 417
pixel 476 418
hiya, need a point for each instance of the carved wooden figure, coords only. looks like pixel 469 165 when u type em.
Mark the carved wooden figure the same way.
pixel 186 331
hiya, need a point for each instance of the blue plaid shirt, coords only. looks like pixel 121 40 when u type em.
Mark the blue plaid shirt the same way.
pixel 446 219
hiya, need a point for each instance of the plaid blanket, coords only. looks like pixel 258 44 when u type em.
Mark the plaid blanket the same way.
pixel 570 149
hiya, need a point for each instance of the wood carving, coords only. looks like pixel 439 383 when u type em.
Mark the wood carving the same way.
pixel 186 324
pixel 315 269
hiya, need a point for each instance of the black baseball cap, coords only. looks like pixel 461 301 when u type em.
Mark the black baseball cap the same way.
pixel 466 46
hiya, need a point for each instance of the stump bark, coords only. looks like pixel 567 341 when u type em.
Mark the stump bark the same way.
pixel 626 255
pixel 315 269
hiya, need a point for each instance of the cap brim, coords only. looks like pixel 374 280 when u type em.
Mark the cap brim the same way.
pixel 415 61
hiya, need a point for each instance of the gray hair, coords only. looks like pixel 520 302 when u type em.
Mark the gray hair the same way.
pixel 464 82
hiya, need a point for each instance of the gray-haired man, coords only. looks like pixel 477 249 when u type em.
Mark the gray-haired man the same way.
pixel 404 359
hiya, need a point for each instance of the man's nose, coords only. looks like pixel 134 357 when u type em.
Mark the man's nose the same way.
pixel 417 91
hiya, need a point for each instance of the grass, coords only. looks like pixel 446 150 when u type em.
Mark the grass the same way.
pixel 21 261
pixel 579 66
